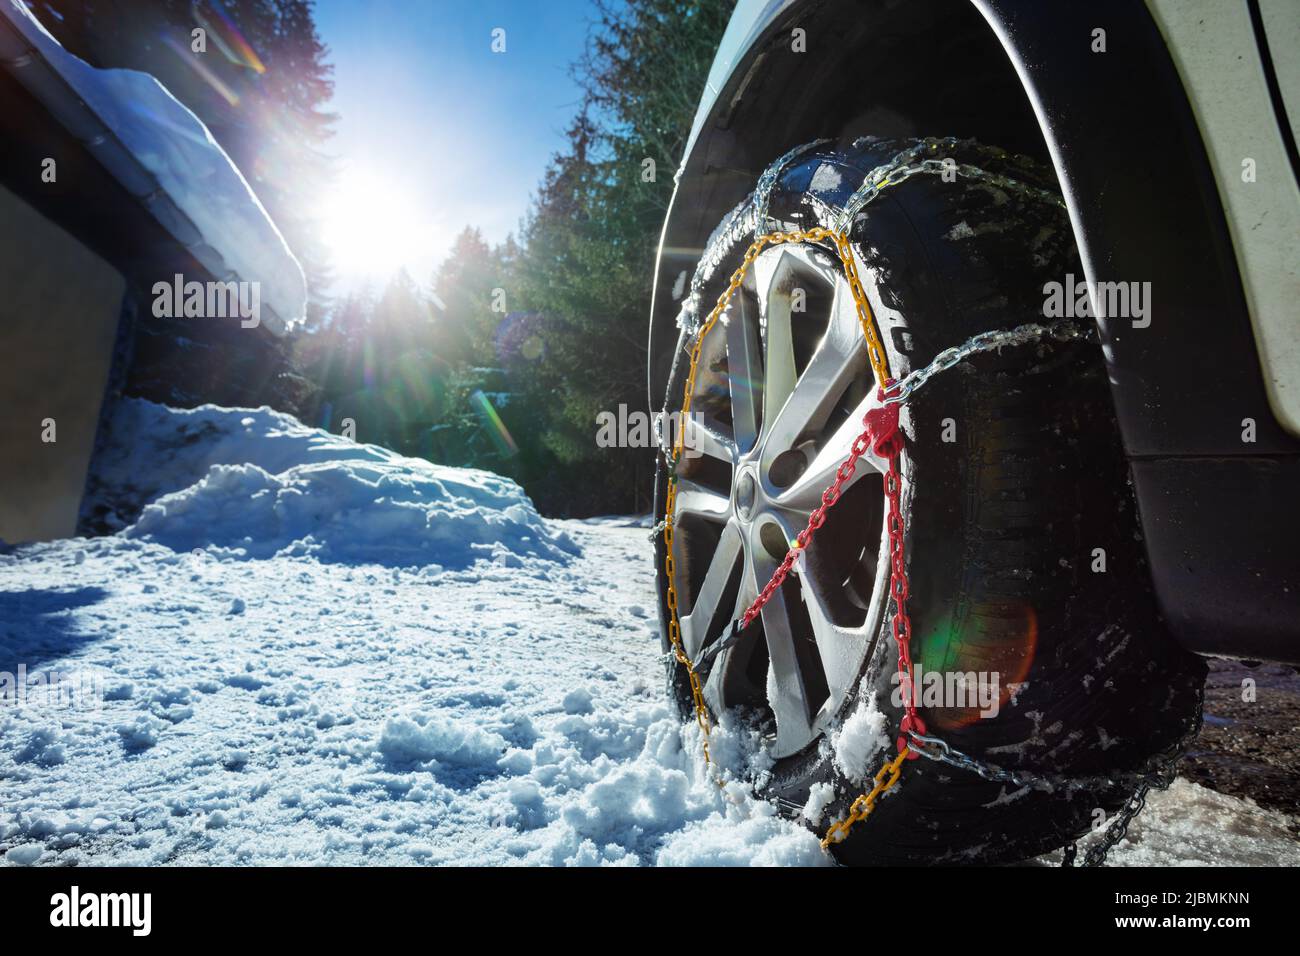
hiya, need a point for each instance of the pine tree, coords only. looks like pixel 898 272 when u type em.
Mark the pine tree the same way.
pixel 471 286
pixel 589 243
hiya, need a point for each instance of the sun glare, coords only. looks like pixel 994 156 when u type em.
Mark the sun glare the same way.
pixel 369 231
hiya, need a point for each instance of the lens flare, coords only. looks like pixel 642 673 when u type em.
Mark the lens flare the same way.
pixel 223 31
pixel 519 337
pixel 496 428
pixel 198 66
pixel 995 640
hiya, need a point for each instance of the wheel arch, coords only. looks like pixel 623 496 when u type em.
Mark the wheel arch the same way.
pixel 775 99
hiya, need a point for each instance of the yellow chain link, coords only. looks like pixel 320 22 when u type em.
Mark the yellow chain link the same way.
pixel 861 808
pixel 879 369
pixel 875 350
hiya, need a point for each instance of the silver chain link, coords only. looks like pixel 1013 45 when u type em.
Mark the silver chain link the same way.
pixel 767 182
pixel 910 162
pixel 982 342
pixel 753 216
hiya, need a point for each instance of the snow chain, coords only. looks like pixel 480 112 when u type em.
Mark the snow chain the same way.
pixel 882 435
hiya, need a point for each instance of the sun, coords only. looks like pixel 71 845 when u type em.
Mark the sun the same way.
pixel 369 230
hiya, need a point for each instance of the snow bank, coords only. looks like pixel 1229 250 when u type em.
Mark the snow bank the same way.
pixel 390 514
pixel 153 450
pixel 257 484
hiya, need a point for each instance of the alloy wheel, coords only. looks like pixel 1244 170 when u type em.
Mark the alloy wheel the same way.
pixel 781 391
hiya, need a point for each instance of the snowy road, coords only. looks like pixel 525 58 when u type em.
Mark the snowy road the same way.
pixel 359 715
pixel 282 697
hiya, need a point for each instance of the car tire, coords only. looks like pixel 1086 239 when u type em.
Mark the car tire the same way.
pixel 1024 544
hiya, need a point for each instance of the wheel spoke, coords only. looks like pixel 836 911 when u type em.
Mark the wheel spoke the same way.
pixel 715 684
pixel 778 344
pixel 786 686
pixel 701 502
pixel 704 608
pixel 841 648
pixel 838 359
pixel 806 491
pixel 812 261
pixel 744 372
pixel 708 436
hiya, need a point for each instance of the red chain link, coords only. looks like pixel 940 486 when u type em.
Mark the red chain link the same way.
pixel 882 435
pixel 902 623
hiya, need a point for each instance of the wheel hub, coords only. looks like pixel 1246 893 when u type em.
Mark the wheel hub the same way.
pixel 745 494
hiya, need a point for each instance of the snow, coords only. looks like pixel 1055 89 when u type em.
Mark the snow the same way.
pixel 300 491
pixel 382 696
pixel 826 179
pixel 820 796
pixel 1190 825
pixel 24 855
pixel 174 145
pixel 372 708
pixel 431 740
pixel 860 739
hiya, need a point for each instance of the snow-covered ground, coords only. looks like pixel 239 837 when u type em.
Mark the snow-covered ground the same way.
pixel 313 651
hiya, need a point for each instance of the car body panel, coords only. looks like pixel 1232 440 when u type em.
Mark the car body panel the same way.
pixel 1229 94
pixel 748 20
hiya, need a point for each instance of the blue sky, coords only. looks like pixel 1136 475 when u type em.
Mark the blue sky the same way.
pixel 436 131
